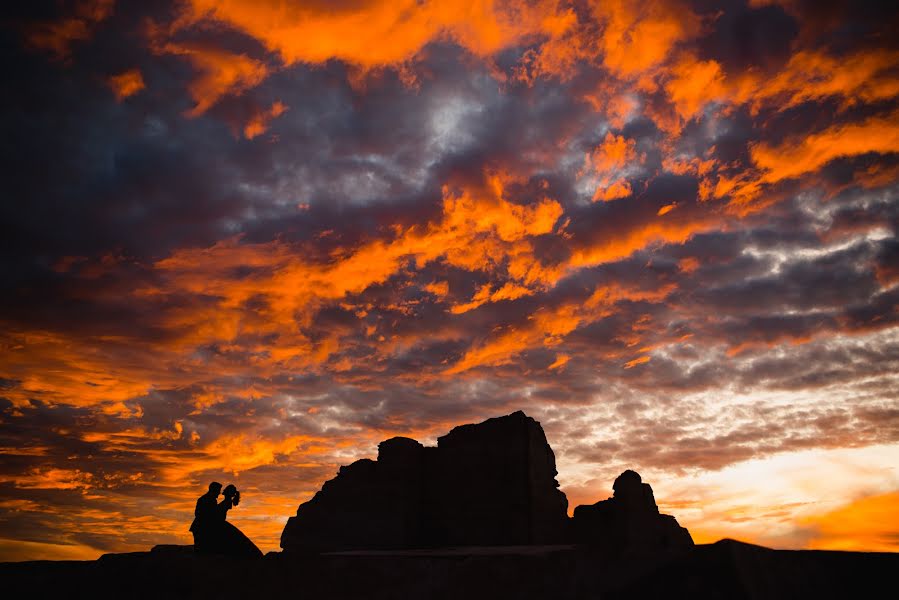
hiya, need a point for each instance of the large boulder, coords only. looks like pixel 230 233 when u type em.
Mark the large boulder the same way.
pixel 628 523
pixel 496 485
pixel 370 504
pixel 487 484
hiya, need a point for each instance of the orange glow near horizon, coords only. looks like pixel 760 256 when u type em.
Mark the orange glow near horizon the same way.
pixel 868 524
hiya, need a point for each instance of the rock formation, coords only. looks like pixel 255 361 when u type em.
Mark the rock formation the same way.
pixel 370 504
pixel 629 522
pixel 487 484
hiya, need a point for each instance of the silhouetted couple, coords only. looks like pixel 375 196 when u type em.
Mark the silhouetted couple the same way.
pixel 213 534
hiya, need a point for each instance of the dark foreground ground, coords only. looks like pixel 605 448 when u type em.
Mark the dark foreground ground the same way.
pixel 727 569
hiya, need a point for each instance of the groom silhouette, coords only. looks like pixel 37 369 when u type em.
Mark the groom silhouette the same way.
pixel 206 519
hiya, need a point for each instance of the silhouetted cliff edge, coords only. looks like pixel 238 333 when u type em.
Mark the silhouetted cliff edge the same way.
pixel 478 516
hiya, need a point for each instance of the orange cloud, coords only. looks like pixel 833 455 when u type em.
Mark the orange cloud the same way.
pixel 90 373
pixel 624 242
pixel 640 360
pixel 863 76
pixel 807 154
pixel 54 479
pixel 548 326
pixel 220 73
pixel 615 152
pixel 615 191
pixel 638 36
pixel 560 362
pixel 373 33
pixel 258 124
pixel 688 265
pixel 568 44
pixel 57 37
pixel 440 289
pixel 666 209
pixel 508 291
pixel 126 84
pixel 750 190
pixel 608 163
pixel 693 84
pixel 236 453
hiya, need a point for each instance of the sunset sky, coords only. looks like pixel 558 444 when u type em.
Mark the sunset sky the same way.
pixel 246 240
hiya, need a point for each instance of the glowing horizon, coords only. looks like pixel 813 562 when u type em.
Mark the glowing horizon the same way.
pixel 250 240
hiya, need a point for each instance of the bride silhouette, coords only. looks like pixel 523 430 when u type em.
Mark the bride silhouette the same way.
pixel 213 534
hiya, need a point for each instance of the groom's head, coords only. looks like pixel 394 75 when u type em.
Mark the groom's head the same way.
pixel 215 488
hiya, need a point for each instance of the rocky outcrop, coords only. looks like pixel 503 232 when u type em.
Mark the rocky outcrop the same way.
pixel 628 523
pixel 487 484
pixel 370 504
pixel 496 485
